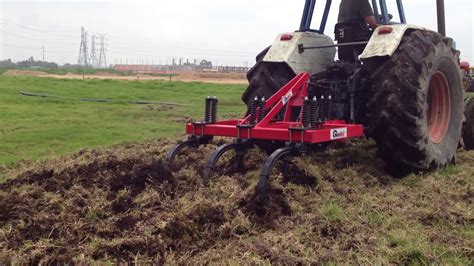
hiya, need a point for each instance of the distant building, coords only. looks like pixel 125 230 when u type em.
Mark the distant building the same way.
pixel 142 69
pixel 203 66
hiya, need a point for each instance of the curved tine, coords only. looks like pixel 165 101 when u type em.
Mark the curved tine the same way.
pixel 173 152
pixel 239 155
pixel 270 162
pixel 214 158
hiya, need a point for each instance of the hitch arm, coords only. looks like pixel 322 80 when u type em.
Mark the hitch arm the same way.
pixel 302 48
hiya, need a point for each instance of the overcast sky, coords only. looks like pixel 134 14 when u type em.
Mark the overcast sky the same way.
pixel 226 32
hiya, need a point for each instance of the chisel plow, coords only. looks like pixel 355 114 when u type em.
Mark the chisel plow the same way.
pixel 288 124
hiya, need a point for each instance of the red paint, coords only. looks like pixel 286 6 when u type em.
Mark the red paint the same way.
pixel 439 107
pixel 268 129
pixel 385 30
pixel 286 37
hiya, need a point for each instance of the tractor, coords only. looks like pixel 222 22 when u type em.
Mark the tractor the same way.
pixel 399 84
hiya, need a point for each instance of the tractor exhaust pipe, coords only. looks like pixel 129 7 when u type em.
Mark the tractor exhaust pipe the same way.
pixel 441 17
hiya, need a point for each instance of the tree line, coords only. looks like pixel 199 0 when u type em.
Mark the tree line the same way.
pixel 29 63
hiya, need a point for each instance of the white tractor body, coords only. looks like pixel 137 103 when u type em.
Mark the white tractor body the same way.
pixel 386 39
pixel 285 49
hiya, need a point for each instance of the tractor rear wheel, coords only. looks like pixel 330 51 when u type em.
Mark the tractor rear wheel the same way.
pixel 416 110
pixel 266 78
pixel 468 129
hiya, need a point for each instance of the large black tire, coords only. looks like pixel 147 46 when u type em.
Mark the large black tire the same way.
pixel 468 128
pixel 266 78
pixel 416 111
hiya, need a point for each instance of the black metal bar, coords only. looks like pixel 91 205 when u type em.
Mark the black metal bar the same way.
pixel 193 141
pixel 310 15
pixel 383 8
pixel 376 11
pixel 441 17
pixel 305 15
pixel 301 47
pixel 401 12
pixel 215 157
pixel 270 162
pixel 324 20
pixel 173 152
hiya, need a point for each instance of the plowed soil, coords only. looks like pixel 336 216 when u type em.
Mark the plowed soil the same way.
pixel 340 205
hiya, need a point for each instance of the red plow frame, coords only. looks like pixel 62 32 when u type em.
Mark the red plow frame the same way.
pixel 263 125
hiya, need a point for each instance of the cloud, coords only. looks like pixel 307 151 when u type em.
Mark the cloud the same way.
pixel 228 32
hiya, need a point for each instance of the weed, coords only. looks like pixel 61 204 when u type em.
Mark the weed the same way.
pixel 331 211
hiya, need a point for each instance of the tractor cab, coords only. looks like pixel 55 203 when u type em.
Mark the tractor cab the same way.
pixel 380 9
pixel 355 33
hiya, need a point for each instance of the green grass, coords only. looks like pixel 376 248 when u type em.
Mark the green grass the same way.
pixel 33 128
pixel 331 211
pixel 79 71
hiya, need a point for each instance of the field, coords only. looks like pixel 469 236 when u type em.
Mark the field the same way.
pixel 81 196
pixel 35 127
pixel 61 73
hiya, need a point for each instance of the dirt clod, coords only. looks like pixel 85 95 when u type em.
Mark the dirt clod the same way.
pixel 118 206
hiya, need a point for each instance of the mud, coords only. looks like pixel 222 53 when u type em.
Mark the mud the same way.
pixel 119 206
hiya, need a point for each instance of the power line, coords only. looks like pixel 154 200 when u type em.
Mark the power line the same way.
pixel 83 52
pixel 21 47
pixel 5 33
pixel 93 58
pixel 9 22
pixel 102 58
pixel 18 36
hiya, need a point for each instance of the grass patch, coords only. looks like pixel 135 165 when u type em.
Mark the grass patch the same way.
pixel 33 128
pixel 331 211
pixel 448 171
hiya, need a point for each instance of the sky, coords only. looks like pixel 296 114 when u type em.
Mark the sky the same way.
pixel 227 32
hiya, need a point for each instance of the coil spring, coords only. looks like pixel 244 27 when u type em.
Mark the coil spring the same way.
pixel 306 112
pixel 208 110
pixel 214 103
pixel 328 108
pixel 314 113
pixel 321 105
pixel 261 109
pixel 253 110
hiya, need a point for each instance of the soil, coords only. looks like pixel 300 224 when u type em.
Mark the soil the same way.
pixel 15 72
pixel 119 206
pixel 220 78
